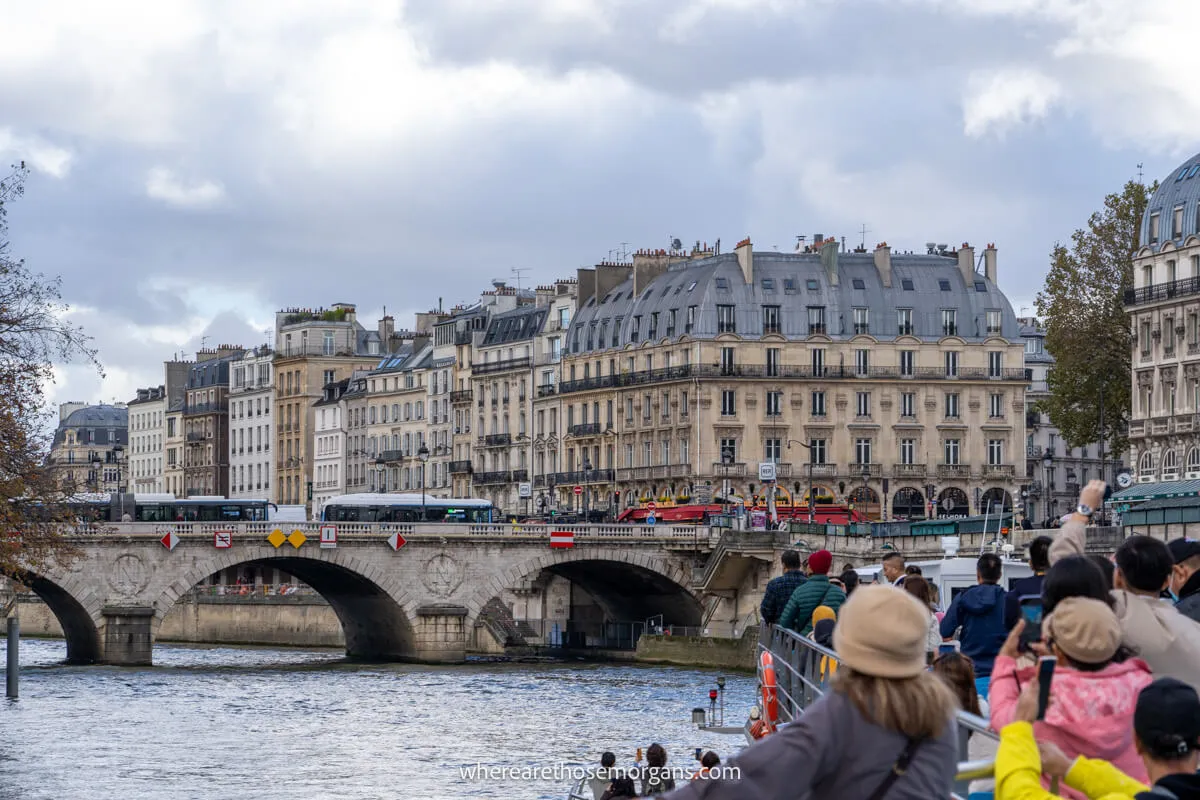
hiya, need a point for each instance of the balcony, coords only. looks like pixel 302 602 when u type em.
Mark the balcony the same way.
pixel 484 478
pixel 462 396
pixel 546 390
pixel 1183 287
pixel 391 456
pixel 824 470
pixel 999 471
pixel 196 437
pixel 909 471
pixel 488 368
pixel 734 470
pixel 817 328
pixel 520 475
pixel 953 471
pixel 585 429
pixel 783 470
pixel 460 467
pixel 219 407
pixel 857 470
pixel 497 440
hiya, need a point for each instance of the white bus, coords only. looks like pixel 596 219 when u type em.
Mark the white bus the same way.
pixel 379 507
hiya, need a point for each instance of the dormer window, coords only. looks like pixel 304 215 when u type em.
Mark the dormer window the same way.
pixel 1154 228
pixel 722 283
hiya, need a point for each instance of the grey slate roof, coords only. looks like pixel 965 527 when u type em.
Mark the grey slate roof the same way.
pixel 517 325
pixel 785 279
pixel 1181 187
pixel 111 418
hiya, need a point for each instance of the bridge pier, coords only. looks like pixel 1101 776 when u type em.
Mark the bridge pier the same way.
pixel 128 635
pixel 441 634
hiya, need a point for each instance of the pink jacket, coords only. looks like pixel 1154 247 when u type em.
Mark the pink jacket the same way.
pixel 1090 713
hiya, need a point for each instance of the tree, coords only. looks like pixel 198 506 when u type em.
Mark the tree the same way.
pixel 34 335
pixel 1087 330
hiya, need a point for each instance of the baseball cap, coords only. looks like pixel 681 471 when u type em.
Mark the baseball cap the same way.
pixel 1183 549
pixel 1167 719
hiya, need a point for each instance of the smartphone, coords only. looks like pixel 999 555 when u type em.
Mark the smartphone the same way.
pixel 947 647
pixel 1046 665
pixel 1031 612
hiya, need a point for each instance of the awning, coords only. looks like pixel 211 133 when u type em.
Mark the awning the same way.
pixel 1156 491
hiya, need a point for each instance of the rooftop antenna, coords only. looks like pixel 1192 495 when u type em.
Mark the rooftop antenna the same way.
pixel 518 272
pixel 865 230
pixel 203 342
pixel 1139 167
pixel 624 251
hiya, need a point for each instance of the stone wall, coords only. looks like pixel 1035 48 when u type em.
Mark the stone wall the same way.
pixel 700 651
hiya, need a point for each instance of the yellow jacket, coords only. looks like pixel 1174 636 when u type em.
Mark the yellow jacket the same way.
pixel 1019 771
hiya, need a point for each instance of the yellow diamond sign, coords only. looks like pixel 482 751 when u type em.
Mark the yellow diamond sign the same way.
pixel 276 538
pixel 296 539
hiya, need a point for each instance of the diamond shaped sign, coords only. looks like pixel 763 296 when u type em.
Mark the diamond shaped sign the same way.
pixel 276 538
pixel 296 539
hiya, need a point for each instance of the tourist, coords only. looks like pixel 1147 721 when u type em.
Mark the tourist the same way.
pixel 602 780
pixel 918 587
pixel 1039 562
pixel 893 568
pixel 817 591
pixel 1185 577
pixel 956 670
pixel 979 612
pixel 656 779
pixel 884 729
pixel 1074 576
pixel 1094 693
pixel 850 580
pixel 621 787
pixel 912 569
pixel 707 762
pixel 779 590
pixel 1153 628
pixel 1107 568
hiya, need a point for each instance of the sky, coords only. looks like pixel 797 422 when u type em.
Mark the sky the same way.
pixel 199 164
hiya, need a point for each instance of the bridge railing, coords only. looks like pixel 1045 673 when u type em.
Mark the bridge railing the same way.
pixel 803 668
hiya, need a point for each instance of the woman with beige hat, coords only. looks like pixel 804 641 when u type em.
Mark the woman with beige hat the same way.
pixel 885 729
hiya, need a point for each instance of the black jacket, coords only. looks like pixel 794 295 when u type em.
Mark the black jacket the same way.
pixel 1174 787
pixel 1189 598
pixel 1012 602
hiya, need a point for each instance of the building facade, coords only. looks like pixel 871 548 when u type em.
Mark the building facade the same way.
pixel 147 413
pixel 1164 317
pixel 329 448
pixel 89 452
pixel 205 418
pixel 251 406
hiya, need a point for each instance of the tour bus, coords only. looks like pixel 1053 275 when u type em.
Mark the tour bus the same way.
pixel 105 507
pixel 380 507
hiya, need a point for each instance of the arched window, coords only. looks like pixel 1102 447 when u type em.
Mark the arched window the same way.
pixel 1193 460
pixel 1146 465
pixel 1170 466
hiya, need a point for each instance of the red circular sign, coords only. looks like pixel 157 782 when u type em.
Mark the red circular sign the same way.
pixel 578 490
pixel 650 506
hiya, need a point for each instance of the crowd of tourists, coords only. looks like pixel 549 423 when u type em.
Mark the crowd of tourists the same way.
pixel 1121 718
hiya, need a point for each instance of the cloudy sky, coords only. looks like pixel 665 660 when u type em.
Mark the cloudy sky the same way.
pixel 198 164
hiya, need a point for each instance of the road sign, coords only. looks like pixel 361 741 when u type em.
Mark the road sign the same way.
pixel 169 540
pixel 651 520
pixel 223 540
pixel 578 490
pixel 651 506
pixel 396 541
pixel 524 490
pixel 328 536
pixel 766 471
pixel 1124 480
pixel 296 538
pixel 562 539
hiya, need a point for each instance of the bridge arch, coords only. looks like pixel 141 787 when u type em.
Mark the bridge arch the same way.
pixel 631 585
pixel 77 612
pixel 373 607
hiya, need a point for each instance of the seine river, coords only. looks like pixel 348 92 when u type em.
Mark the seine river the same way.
pixel 259 724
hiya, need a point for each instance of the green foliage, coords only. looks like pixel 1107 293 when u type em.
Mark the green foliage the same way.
pixel 1087 330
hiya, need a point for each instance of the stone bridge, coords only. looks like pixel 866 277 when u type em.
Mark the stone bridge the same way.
pixel 418 601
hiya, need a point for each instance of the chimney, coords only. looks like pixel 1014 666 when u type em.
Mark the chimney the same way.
pixel 883 263
pixel 989 263
pixel 829 260
pixel 387 327
pixel 966 262
pixel 586 278
pixel 745 257
pixel 648 265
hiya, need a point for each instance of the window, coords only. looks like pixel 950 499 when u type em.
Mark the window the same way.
pixel 728 408
pixel 773 360
pixel 995 405
pixel 980 286
pixel 774 404
pixel 951 359
pixel 862 321
pixel 907 361
pixel 628 410
pixel 647 453
pixel 818 363
pixel 813 285
pixel 646 407
pixel 818 404
pixel 691 319
pixel 727 362
pixel 862 451
pixel 816 319
pixel 768 284
pixel 908 404
pixel 995 452
pixel 789 285
pixel 863 404
pixel 908 450
pixel 1177 223
pixel 691 286
pixel 327 343
pixel 949 322
pixel 994 320
pixel 1171 271
pixel 772 450
pixel 653 334
pixel 728 451
pixel 634 331
pixel 670 323
pixel 861 362
pixel 771 319
pixel 904 323
pixel 1154 228
pixel 906 284
pixel 951 447
pixel 995 364
pixel 816 451
pixel 858 283
pixel 951 405
pixel 616 333
pixel 726 322
pixel 944 285
pixel 723 284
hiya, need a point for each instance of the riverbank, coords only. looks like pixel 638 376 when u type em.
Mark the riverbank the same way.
pixel 699 651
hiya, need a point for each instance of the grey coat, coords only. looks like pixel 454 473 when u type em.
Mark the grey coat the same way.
pixel 832 752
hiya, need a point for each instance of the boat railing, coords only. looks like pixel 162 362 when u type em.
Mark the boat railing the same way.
pixel 802 671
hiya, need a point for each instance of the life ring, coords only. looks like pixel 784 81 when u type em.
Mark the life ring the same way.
pixel 770 690
pixel 758 729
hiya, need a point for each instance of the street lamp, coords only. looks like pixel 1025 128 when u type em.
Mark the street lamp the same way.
pixel 118 451
pixel 1047 463
pixel 423 455
pixel 727 456
pixel 866 492
pixel 808 447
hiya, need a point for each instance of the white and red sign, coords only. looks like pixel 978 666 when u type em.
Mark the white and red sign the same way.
pixel 650 506
pixel 223 540
pixel 169 540
pixel 397 541
pixel 562 539
pixel 578 490
pixel 328 536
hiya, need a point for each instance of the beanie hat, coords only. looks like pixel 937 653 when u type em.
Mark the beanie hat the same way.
pixel 820 562
pixel 1167 718
pixel 881 632
pixel 823 612
pixel 1085 629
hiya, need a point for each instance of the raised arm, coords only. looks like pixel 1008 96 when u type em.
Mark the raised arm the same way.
pixel 1072 541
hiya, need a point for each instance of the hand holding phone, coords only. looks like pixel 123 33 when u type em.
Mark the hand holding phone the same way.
pixel 1046 665
pixel 947 647
pixel 1031 612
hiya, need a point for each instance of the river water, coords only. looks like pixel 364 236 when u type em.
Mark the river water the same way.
pixel 260 724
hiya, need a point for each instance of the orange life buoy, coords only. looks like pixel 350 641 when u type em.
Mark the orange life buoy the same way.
pixel 770 690
pixel 759 729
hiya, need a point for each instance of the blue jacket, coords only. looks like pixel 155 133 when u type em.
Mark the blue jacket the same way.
pixel 980 612
pixel 778 592
pixel 1020 588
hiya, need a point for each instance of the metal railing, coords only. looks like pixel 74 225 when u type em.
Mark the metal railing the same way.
pixel 801 682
